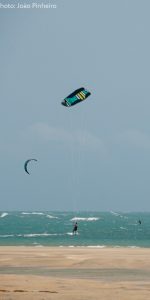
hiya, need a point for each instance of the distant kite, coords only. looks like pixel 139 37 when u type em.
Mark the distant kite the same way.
pixel 26 164
pixel 76 97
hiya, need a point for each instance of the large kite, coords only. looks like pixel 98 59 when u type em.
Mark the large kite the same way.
pixel 26 164
pixel 76 97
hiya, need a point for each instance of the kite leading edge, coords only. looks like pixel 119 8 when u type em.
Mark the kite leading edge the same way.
pixel 26 164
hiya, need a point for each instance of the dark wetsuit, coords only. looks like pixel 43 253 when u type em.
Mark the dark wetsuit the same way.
pixel 75 228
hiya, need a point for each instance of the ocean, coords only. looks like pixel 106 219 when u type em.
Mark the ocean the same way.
pixel 95 229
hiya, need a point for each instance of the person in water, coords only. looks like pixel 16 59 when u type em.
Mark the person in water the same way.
pixel 75 228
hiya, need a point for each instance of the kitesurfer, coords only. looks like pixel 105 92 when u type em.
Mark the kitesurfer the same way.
pixel 75 228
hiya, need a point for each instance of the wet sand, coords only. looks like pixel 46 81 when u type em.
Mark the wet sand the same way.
pixel 74 273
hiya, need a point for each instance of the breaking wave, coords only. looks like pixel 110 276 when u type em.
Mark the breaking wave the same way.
pixel 40 214
pixel 51 217
pixel 84 219
pixel 3 215
pixel 32 213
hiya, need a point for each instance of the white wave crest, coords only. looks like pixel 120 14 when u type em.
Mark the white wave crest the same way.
pixel 133 247
pixel 30 235
pixel 84 219
pixel 115 214
pixel 71 233
pixel 3 215
pixel 97 246
pixel 123 228
pixel 118 215
pixel 51 217
pixel 39 214
pixel 32 213
pixel 39 234
pixel 6 235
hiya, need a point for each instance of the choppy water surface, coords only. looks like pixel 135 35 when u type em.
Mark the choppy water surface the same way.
pixel 98 229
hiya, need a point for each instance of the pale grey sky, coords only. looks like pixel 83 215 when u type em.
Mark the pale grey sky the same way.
pixel 96 155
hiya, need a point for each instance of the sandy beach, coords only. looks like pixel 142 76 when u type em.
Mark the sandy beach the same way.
pixel 74 273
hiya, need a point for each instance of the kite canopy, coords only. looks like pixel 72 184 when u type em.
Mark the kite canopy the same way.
pixel 26 164
pixel 76 97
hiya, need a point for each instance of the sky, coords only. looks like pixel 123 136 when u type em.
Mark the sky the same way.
pixel 95 155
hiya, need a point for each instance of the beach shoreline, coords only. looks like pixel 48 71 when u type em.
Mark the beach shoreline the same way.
pixel 74 273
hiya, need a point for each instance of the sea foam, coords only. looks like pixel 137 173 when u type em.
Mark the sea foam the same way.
pixel 84 219
pixel 32 213
pixel 3 215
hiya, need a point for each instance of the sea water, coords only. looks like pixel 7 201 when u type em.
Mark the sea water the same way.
pixel 95 229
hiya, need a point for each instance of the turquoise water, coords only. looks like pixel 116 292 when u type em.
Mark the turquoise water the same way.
pixel 94 229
